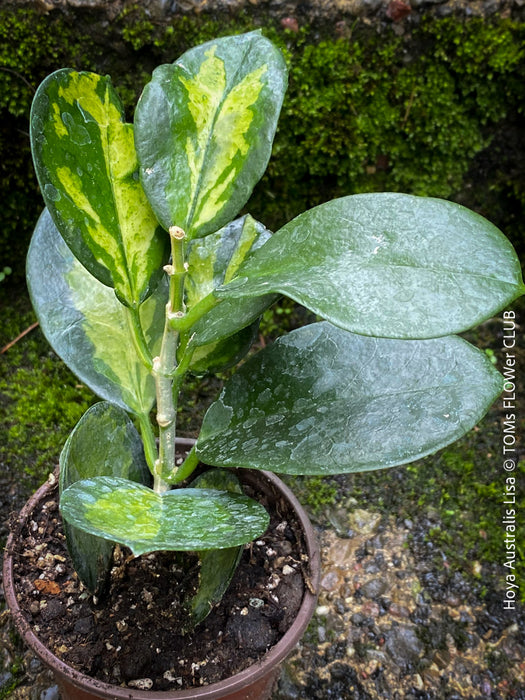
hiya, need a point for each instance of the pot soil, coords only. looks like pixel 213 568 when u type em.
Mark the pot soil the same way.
pixel 133 643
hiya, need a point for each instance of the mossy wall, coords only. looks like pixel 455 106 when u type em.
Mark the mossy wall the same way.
pixel 432 110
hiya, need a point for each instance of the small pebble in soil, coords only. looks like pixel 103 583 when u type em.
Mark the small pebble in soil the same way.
pixel 141 684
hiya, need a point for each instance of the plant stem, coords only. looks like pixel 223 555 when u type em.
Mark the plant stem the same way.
pixel 183 323
pixel 148 438
pixel 165 364
pixel 186 468
pixel 141 345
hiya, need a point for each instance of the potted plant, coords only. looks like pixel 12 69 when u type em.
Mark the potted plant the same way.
pixel 142 272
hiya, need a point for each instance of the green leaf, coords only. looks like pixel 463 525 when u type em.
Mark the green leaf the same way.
pixel 87 168
pixel 214 113
pixel 387 264
pixel 225 353
pixel 87 326
pixel 217 565
pixel 145 521
pixel 226 332
pixel 322 400
pixel 103 443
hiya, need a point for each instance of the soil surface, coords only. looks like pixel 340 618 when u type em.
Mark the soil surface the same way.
pixel 137 636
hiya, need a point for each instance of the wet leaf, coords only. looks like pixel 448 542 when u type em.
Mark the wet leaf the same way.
pixel 322 400
pixel 87 168
pixel 217 565
pixel 226 332
pixel 387 264
pixel 225 353
pixel 215 112
pixel 87 326
pixel 145 521
pixel 103 443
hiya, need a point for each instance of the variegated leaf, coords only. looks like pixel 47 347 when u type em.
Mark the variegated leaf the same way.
pixel 212 261
pixel 87 326
pixel 87 168
pixel 116 451
pixel 145 521
pixel 214 113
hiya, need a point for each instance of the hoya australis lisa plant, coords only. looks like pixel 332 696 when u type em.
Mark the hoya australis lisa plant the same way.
pixel 142 272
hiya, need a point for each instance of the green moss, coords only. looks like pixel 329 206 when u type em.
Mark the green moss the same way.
pixel 31 46
pixel 40 400
pixel 371 112
pixel 317 493
pixel 393 113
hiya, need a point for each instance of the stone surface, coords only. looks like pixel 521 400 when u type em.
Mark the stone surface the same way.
pixel 296 12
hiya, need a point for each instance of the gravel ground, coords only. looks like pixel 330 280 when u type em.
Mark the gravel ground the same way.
pixel 389 624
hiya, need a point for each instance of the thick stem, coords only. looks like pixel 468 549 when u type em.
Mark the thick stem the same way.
pixel 164 365
pixel 166 408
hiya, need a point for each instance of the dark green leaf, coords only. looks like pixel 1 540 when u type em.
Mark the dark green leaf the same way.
pixel 322 400
pixel 217 565
pixel 387 264
pixel 216 357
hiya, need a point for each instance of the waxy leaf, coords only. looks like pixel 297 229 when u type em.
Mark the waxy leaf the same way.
pixel 183 519
pixel 87 168
pixel 87 326
pixel 322 400
pixel 226 332
pixel 225 353
pixel 214 113
pixel 387 264
pixel 217 566
pixel 104 443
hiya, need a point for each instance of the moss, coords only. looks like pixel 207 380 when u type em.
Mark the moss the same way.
pixel 369 112
pixel 31 46
pixel 40 399
pixel 381 113
pixel 316 492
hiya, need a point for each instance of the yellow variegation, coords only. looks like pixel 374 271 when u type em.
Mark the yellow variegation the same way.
pixel 212 261
pixel 212 168
pixel 87 326
pixel 87 167
pixel 215 112
pixel 107 325
pixel 187 519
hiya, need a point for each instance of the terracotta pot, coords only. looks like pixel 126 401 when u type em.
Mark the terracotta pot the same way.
pixel 254 683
